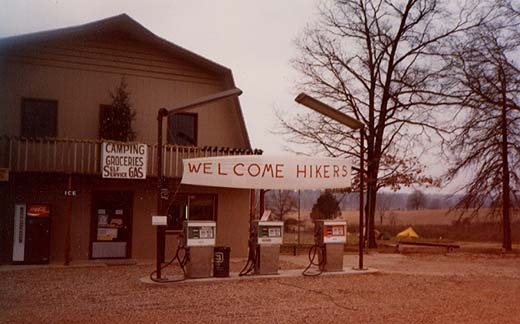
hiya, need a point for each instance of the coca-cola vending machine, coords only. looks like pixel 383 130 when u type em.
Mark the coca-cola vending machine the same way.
pixel 31 239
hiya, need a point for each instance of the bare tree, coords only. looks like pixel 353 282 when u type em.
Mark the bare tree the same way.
pixel 484 71
pixel 281 202
pixel 384 201
pixel 371 59
pixel 416 200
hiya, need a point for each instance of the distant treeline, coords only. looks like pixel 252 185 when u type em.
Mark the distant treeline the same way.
pixel 385 200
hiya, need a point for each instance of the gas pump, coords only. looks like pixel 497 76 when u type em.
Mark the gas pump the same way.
pixel 329 240
pixel 199 239
pixel 268 238
pixel 331 235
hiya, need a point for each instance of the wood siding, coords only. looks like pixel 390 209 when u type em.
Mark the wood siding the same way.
pixel 79 74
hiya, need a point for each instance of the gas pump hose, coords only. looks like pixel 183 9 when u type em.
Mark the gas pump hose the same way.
pixel 312 261
pixel 251 257
pixel 182 263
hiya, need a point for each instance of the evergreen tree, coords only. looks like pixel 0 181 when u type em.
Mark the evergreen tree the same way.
pixel 116 122
pixel 326 207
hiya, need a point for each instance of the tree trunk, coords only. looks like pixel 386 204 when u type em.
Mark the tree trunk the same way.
pixel 506 206
pixel 372 189
pixel 371 205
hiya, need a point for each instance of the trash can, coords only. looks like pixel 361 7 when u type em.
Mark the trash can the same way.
pixel 221 261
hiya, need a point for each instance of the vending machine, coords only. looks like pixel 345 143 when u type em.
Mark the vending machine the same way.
pixel 330 235
pixel 31 239
pixel 199 240
pixel 269 237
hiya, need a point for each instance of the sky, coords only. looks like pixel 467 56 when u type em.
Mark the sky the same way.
pixel 255 39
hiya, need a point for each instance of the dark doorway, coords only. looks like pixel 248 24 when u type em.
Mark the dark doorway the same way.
pixel 111 225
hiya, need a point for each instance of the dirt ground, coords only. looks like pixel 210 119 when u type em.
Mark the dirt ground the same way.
pixel 417 288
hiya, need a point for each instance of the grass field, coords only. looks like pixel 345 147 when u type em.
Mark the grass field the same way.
pixel 413 217
pixel 429 224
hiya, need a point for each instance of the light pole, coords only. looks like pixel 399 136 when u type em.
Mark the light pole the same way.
pixel 354 124
pixel 299 208
pixel 161 189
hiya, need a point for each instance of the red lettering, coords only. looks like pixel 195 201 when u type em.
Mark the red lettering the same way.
pixel 268 168
pixel 336 171
pixel 318 171
pixel 235 169
pixel 298 171
pixel 258 169
pixel 326 171
pixel 345 170
pixel 192 168
pixel 220 171
pixel 207 168
pixel 278 172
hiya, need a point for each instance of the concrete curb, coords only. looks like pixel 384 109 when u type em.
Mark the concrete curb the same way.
pixel 176 280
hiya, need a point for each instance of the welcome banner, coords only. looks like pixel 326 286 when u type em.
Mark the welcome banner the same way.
pixel 267 172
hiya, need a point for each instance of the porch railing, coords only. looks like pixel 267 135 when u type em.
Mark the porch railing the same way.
pixel 58 155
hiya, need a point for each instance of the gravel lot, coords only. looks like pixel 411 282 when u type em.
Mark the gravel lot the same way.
pixel 456 288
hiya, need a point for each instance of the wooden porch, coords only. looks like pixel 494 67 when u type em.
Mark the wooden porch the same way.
pixel 76 156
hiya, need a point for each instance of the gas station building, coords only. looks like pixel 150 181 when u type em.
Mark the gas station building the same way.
pixel 66 194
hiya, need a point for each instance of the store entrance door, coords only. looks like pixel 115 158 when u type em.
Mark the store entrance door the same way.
pixel 111 225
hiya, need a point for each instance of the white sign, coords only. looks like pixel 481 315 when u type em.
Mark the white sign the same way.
pixel 267 172
pixel 123 160
pixel 159 220
pixel 19 233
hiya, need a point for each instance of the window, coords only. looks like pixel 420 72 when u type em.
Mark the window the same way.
pixel 182 129
pixel 39 118
pixel 191 207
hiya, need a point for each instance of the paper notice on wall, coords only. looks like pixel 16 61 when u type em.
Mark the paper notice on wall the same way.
pixel 102 220
pixel 117 221
pixel 106 234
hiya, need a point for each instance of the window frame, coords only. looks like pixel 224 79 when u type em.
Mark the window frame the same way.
pixel 171 139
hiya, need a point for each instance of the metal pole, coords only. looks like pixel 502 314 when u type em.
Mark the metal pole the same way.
pixel 262 202
pixel 163 112
pixel 252 206
pixel 361 187
pixel 69 223
pixel 160 229
pixel 299 206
